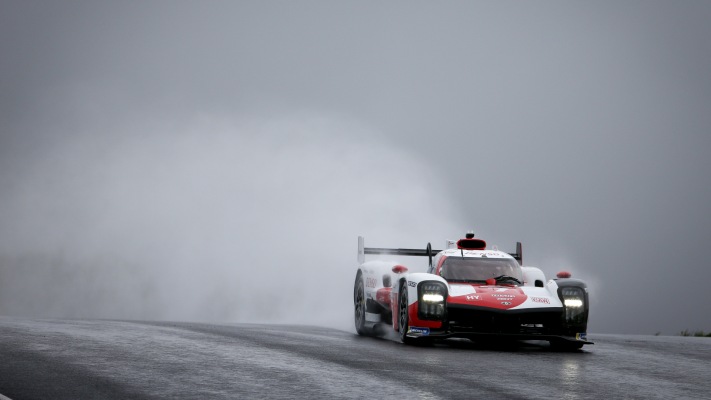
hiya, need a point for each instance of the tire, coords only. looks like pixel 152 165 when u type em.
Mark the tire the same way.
pixel 360 306
pixel 403 316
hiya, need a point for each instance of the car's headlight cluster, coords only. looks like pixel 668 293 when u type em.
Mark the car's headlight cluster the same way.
pixel 432 297
pixel 574 301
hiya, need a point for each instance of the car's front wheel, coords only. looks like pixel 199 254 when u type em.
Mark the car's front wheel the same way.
pixel 403 316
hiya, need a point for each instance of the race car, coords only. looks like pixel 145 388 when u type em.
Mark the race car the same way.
pixel 471 292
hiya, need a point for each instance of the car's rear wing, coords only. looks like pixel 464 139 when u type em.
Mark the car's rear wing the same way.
pixel 362 251
pixel 518 255
pixel 426 252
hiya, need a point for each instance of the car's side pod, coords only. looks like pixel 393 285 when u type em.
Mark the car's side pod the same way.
pixel 533 276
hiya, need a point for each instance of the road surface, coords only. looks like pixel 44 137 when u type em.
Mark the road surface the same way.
pixel 88 359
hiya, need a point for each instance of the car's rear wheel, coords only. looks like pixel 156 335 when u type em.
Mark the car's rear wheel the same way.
pixel 359 306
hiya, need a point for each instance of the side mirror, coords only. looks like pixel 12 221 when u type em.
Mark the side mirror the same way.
pixel 399 269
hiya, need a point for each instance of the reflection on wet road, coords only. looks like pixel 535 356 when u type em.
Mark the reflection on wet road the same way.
pixel 119 359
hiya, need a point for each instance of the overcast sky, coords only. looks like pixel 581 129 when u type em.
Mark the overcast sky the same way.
pixel 216 161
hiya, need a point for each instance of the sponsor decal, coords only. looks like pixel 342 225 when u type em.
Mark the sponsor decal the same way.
pixel 544 300
pixel 419 331
pixel 581 336
pixel 371 282
pixel 503 296
pixel 506 303
pixel 474 297
pixel 411 284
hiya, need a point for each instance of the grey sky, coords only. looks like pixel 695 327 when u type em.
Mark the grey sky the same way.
pixel 159 148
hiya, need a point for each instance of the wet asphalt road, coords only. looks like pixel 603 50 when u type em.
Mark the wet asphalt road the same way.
pixel 62 359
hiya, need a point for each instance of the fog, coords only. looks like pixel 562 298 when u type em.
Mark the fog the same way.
pixel 217 161
pixel 218 221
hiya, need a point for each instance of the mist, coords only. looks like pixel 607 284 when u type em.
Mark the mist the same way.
pixel 223 220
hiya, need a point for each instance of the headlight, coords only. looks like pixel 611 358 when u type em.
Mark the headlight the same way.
pixel 574 300
pixel 573 303
pixel 432 296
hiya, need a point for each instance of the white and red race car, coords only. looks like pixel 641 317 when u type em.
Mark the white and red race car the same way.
pixel 468 291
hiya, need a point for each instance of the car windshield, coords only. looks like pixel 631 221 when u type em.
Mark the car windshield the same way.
pixel 470 269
